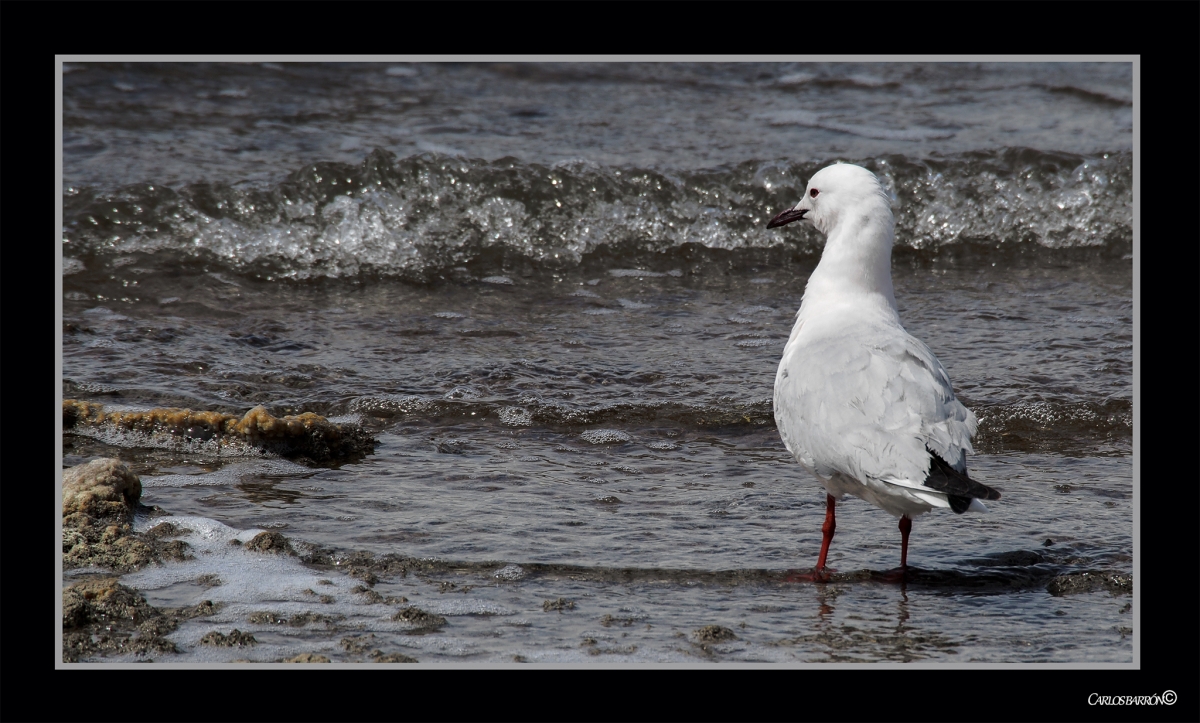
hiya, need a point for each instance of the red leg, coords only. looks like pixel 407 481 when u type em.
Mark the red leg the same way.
pixel 827 532
pixel 820 573
pixel 905 528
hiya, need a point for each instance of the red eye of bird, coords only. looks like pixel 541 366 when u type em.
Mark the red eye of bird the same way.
pixel 813 193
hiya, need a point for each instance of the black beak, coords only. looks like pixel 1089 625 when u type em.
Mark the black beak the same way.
pixel 787 217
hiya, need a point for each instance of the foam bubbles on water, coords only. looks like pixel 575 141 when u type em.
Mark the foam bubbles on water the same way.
pixel 212 479
pixel 94 388
pixel 250 582
pixel 516 417
pixel 134 439
pixel 604 436
pixel 471 607
pixel 753 343
pixel 497 280
pixel 247 576
pixel 509 572
pixel 391 405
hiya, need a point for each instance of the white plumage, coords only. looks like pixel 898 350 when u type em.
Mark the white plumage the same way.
pixel 860 403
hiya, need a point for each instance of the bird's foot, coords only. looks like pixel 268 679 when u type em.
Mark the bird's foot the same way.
pixel 823 574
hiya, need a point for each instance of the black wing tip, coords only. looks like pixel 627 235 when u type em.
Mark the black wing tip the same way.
pixel 958 487
pixel 958 504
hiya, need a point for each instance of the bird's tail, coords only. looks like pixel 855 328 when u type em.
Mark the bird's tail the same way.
pixel 962 492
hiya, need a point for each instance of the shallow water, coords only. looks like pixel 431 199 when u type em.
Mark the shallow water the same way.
pixel 568 365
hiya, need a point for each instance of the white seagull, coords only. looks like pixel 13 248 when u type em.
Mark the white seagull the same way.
pixel 861 404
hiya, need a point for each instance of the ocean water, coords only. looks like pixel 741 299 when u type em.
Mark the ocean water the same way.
pixel 549 293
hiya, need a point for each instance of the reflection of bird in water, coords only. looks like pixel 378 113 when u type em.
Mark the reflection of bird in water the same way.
pixel 902 608
pixel 824 609
pixel 860 403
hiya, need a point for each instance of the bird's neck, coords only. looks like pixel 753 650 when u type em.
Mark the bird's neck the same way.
pixel 855 267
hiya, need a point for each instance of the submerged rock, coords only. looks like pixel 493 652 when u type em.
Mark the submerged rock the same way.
pixel 309 436
pixel 381 657
pixel 1090 581
pixel 235 638
pixel 308 658
pixel 99 500
pixel 714 634
pixel 102 617
pixel 168 529
pixel 560 604
pixel 297 620
pixel 366 645
pixel 270 542
pixel 421 620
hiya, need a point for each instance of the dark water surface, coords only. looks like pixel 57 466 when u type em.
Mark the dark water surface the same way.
pixel 549 292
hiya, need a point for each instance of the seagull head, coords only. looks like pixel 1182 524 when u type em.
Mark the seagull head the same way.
pixel 831 192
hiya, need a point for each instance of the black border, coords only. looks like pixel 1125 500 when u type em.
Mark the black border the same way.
pixel 1162 34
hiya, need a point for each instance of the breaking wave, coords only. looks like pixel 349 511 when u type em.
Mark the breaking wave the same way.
pixel 416 217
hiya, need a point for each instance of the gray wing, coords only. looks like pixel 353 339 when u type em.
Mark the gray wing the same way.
pixel 871 409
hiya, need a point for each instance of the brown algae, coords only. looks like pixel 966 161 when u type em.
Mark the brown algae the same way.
pixel 99 500
pixel 308 435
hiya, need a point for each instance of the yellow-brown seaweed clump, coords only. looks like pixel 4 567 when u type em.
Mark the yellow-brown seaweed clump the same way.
pixel 304 435
pixel 100 488
pixel 99 499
